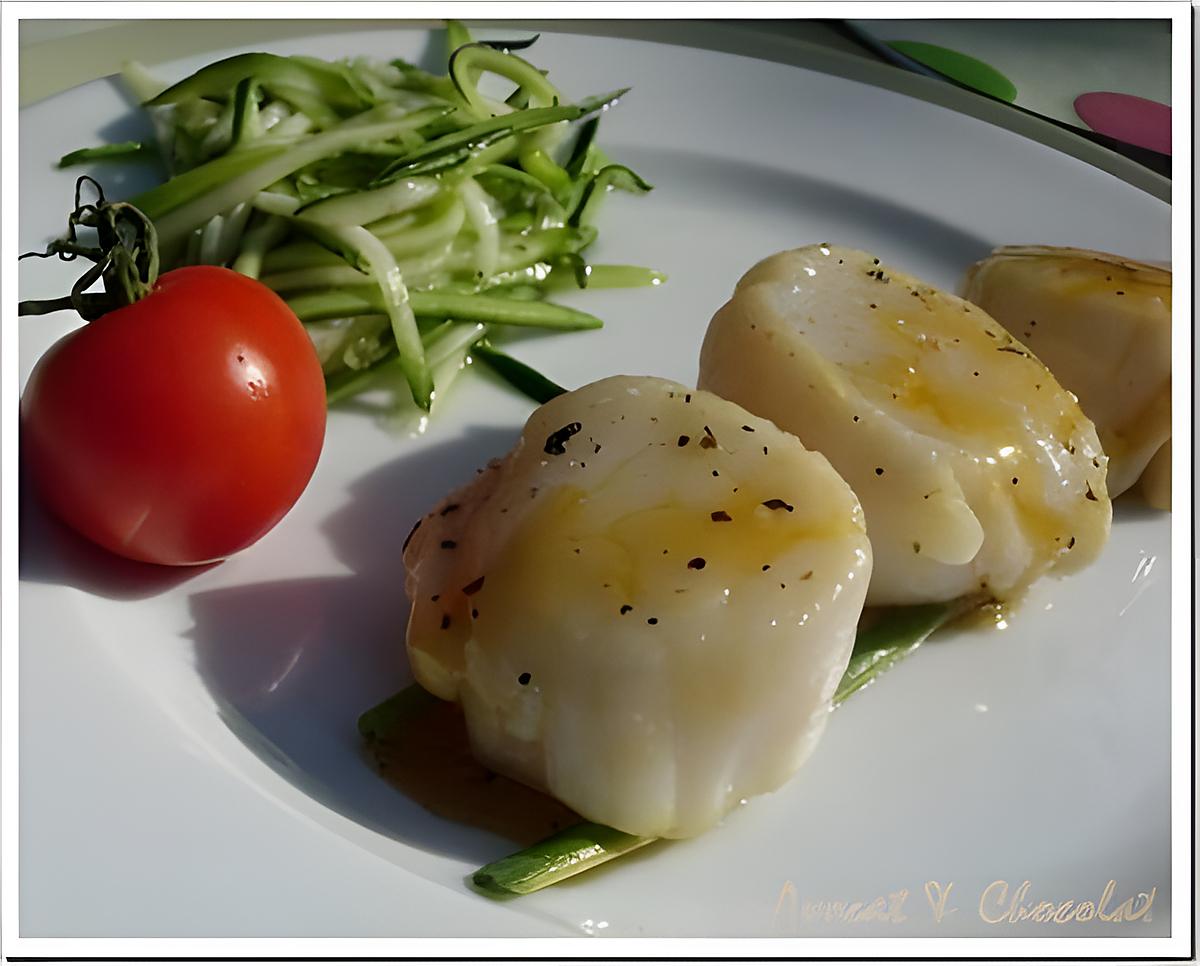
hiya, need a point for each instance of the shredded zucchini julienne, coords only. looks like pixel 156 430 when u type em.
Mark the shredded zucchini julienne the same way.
pixel 884 637
pixel 362 190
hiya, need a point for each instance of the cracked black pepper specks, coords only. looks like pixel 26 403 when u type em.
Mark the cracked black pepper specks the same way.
pixel 556 441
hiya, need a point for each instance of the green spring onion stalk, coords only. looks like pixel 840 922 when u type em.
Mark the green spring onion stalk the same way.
pixel 398 710
pixel 897 633
pixel 562 855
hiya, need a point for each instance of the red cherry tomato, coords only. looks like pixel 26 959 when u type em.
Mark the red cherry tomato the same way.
pixel 181 428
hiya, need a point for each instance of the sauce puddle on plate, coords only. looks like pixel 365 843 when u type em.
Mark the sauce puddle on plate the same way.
pixel 425 753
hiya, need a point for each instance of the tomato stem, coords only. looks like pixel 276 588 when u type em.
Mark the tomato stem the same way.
pixel 125 256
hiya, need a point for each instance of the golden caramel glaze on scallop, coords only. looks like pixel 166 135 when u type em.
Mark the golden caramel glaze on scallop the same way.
pixel 645 607
pixel 1103 326
pixel 976 470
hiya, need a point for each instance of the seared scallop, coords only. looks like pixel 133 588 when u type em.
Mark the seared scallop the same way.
pixel 1103 325
pixel 645 607
pixel 976 470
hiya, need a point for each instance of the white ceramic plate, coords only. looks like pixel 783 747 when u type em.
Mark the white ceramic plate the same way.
pixel 189 764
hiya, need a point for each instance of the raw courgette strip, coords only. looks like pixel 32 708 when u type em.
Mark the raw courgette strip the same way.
pixel 141 82
pixel 470 138
pixel 363 207
pixel 391 295
pixel 573 271
pixel 246 125
pixel 310 105
pixel 574 263
pixel 404 238
pixel 470 60
pixel 526 251
pixel 610 176
pixel 365 300
pixel 523 378
pixel 482 218
pixel 418 81
pixel 462 161
pixel 523 257
pixel 515 178
pixel 539 246
pixel 436 224
pixel 257 242
pixel 457 35
pixel 289 129
pixel 323 82
pixel 217 138
pixel 584 148
pixel 538 163
pixel 507 45
pixel 109 152
pixel 233 228
pixel 190 199
pixel 446 344
pixel 410 233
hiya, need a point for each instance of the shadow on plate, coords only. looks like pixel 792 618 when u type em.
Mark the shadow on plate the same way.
pixel 1130 507
pixel 122 177
pixel 292 664
pixel 50 552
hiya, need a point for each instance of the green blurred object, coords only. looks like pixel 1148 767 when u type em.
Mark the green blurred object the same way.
pixel 960 68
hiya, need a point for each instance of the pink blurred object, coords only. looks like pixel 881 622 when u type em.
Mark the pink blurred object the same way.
pixel 1134 120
